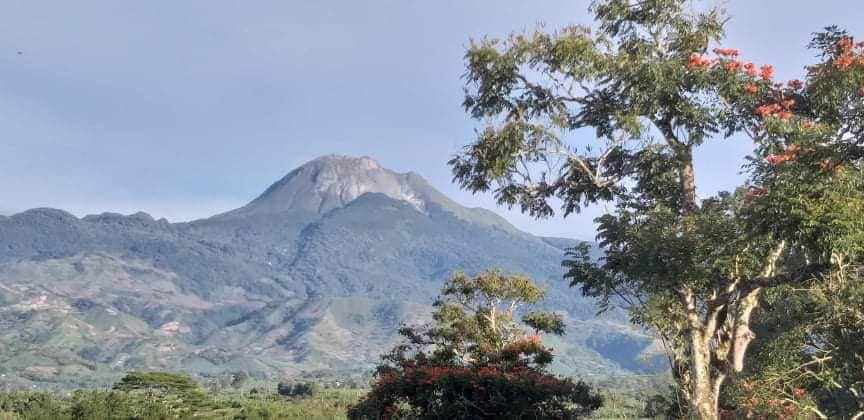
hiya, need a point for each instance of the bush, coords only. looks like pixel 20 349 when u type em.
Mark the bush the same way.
pixel 485 392
pixel 299 389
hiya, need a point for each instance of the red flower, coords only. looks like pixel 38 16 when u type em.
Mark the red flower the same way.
pixel 751 88
pixel 792 148
pixel 844 61
pixel 778 159
pixel 809 124
pixel 784 115
pixel 750 69
pixel 766 72
pixel 697 61
pixel 732 66
pixel 845 44
pixel 729 52
pixel 799 392
pixel 795 84
pixel 766 110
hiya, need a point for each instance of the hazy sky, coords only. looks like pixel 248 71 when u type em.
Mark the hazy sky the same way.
pixel 184 109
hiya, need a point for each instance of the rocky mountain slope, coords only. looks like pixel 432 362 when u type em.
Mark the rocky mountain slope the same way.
pixel 314 275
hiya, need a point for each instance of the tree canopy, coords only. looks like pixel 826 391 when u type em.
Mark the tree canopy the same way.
pixel 476 360
pixel 650 83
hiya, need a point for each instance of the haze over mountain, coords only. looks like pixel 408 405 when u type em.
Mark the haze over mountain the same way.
pixel 314 275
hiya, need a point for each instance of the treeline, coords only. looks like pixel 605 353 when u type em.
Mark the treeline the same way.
pixel 164 395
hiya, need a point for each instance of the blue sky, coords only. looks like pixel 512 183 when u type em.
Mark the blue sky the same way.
pixel 184 109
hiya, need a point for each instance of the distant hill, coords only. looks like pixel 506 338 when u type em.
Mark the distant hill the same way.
pixel 314 275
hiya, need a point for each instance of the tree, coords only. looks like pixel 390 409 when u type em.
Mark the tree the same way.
pixel 177 391
pixel 299 389
pixel 642 82
pixel 809 192
pixel 476 360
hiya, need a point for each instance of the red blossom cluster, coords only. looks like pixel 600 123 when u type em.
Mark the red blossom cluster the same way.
pixel 791 152
pixel 727 57
pixel 697 61
pixel 527 345
pixel 827 166
pixel 425 376
pixel 732 66
pixel 849 53
pixel 794 148
pixel 773 110
pixel 766 72
pixel 778 159
pixel 781 110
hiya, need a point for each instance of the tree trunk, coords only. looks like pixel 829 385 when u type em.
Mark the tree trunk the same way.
pixel 704 391
pixel 688 179
pixel 704 406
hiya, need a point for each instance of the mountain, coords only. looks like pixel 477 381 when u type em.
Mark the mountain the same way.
pixel 313 276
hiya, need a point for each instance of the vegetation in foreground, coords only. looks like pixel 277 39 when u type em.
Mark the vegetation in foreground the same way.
pixel 476 360
pixel 781 255
pixel 161 395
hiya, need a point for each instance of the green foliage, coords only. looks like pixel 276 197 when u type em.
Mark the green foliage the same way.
pixel 177 390
pixel 693 270
pixel 298 389
pixel 476 360
pixel 809 190
pixel 809 353
pixel 625 81
pixel 121 405
pixel 85 405
pixel 165 381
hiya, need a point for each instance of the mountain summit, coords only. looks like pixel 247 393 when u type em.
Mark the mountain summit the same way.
pixel 314 275
pixel 333 181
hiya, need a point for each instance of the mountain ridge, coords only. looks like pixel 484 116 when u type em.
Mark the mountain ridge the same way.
pixel 314 274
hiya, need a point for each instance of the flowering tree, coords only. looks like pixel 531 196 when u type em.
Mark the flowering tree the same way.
pixel 808 192
pixel 644 82
pixel 476 360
